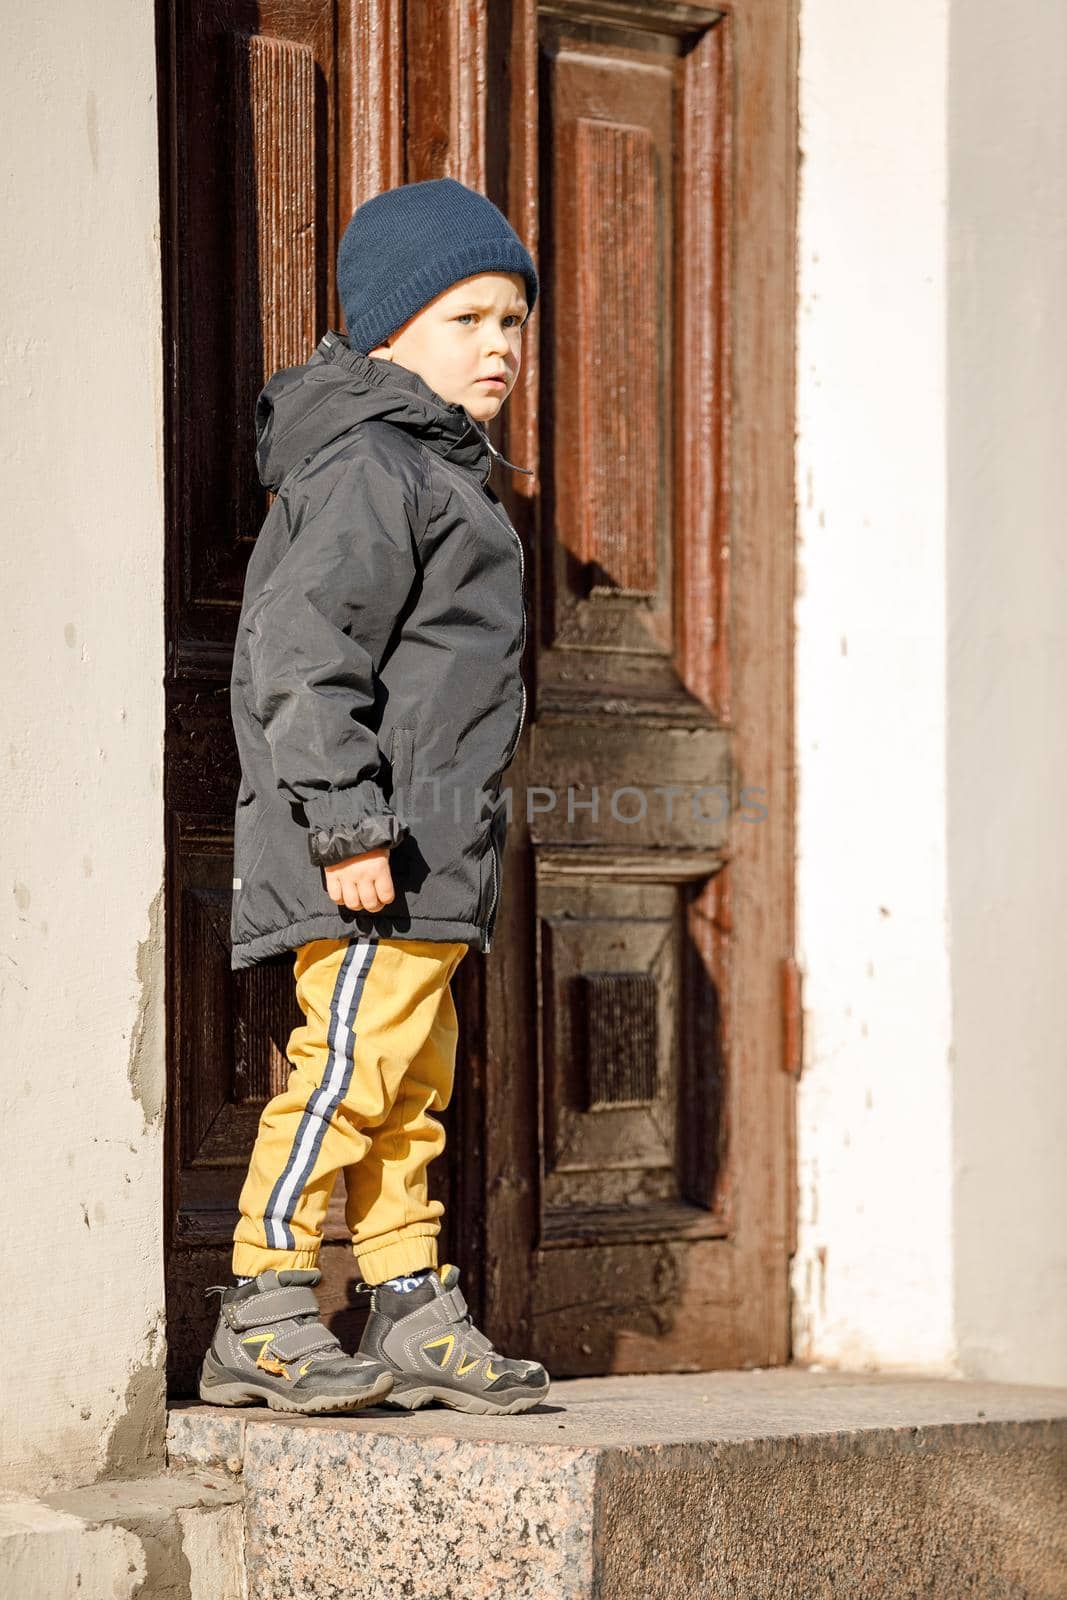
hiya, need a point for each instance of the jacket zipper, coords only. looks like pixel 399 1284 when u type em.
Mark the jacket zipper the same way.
pixel 491 916
pixel 522 581
pixel 522 650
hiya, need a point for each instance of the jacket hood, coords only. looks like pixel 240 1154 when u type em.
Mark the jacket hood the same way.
pixel 304 408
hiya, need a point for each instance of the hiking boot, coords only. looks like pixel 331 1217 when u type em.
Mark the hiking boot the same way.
pixel 269 1346
pixel 426 1337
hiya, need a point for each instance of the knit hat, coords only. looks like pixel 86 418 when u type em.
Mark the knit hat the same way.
pixel 405 246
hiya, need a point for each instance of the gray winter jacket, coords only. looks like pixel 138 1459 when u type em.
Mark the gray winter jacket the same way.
pixel 376 695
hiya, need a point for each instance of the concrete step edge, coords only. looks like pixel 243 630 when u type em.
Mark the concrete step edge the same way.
pixel 171 1533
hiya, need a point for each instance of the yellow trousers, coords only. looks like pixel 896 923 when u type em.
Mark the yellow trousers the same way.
pixel 375 1057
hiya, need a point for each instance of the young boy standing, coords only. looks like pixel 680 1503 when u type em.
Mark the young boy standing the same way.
pixel 377 702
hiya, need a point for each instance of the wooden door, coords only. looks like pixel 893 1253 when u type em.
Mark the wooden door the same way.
pixel 618 1175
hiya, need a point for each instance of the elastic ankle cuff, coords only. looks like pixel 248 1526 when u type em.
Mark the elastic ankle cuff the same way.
pixel 249 1260
pixel 401 1255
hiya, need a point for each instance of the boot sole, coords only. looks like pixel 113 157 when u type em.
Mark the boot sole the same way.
pixel 240 1392
pixel 425 1394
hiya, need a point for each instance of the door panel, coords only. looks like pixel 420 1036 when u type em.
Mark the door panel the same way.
pixel 634 1022
pixel 618 1166
pixel 638 764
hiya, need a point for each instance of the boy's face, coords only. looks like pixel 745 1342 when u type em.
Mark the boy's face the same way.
pixel 468 334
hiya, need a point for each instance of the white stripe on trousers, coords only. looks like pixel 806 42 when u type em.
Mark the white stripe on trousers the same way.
pixel 323 1101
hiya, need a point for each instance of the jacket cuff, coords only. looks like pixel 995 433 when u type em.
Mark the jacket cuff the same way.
pixel 346 822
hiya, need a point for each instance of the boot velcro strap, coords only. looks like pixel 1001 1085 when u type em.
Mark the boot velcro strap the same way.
pixel 453 1305
pixel 293 1300
pixel 292 1343
pixel 476 1342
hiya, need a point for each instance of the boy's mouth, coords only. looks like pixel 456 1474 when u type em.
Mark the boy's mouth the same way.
pixel 495 382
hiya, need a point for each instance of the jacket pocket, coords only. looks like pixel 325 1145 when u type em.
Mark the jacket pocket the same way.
pixel 491 867
pixel 487 884
pixel 401 765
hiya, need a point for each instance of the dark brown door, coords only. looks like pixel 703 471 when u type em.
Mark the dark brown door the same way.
pixel 618 1176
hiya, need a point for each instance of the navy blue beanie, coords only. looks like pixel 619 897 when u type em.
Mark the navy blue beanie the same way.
pixel 407 245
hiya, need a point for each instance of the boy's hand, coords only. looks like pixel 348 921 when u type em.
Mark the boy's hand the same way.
pixel 363 882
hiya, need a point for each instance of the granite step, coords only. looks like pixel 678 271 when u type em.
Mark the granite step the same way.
pixel 770 1483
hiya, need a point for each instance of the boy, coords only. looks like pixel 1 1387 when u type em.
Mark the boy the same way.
pixel 377 702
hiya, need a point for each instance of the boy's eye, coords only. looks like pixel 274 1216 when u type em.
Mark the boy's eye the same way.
pixel 510 318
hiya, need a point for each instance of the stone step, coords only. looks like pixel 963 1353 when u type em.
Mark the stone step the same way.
pixel 775 1483
pixel 176 1536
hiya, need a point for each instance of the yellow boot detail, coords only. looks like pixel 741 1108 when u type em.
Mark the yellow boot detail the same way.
pixel 447 1339
pixel 268 1363
pixel 272 1364
pixel 263 1339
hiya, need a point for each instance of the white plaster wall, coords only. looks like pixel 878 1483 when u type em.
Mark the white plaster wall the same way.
pixel 874 1265
pixel 81 721
pixel 1007 681
pixel 931 673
